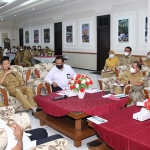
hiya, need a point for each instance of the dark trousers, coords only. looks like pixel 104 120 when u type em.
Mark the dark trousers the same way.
pixel 41 136
pixel 55 89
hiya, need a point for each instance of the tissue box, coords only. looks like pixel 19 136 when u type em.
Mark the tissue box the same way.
pixel 142 115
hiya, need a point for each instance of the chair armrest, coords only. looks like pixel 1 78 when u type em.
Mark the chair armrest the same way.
pixel 106 83
pixel 130 87
pixel 59 144
pixel 5 94
pixel 7 111
pixel 147 92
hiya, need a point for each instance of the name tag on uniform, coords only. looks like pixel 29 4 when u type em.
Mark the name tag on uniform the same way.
pixel 68 76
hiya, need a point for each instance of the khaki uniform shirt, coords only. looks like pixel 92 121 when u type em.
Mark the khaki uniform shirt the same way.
pixel 128 76
pixel 35 53
pixel 126 60
pixel 11 82
pixel 27 55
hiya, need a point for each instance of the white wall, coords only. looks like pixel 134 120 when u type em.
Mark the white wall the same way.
pixel 81 9
pixel 8 27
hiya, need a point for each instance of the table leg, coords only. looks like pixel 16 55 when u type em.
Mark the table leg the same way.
pixel 42 123
pixel 77 143
pixel 78 124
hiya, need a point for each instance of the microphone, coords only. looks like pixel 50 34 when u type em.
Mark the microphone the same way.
pixel 12 72
pixel 60 97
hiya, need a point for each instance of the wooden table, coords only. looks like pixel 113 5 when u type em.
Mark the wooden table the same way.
pixel 69 116
pixel 74 125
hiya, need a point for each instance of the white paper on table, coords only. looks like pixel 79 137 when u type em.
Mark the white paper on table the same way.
pixel 59 93
pixel 70 93
pixel 141 103
pixel 92 90
pixel 115 84
pixel 107 95
pixel 97 120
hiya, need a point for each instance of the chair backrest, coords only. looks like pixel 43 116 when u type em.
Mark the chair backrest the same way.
pixel 43 69
pixel 120 69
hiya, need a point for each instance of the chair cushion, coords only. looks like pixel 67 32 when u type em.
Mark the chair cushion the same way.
pixel 14 102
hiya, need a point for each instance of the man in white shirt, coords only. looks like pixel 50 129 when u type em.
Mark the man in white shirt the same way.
pixel 14 52
pixel 59 75
pixel 6 52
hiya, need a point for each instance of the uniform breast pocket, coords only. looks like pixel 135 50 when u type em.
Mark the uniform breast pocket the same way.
pixel 126 78
pixel 68 76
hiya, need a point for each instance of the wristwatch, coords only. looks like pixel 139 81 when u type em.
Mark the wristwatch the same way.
pixel 128 82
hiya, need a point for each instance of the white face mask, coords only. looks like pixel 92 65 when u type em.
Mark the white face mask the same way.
pixel 148 56
pixel 111 55
pixel 126 53
pixel 132 70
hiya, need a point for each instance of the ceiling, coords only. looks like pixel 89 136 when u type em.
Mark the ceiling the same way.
pixel 13 9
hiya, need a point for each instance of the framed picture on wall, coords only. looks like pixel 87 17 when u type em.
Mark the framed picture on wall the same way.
pixel 86 36
pixel 36 35
pixel 85 33
pixel 143 29
pixel 48 36
pixel 69 34
pixel 27 36
pixel 123 31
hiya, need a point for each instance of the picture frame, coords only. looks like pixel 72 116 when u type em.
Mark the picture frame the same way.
pixel 36 35
pixel 27 36
pixel 86 33
pixel 143 28
pixel 125 36
pixel 69 34
pixel 48 38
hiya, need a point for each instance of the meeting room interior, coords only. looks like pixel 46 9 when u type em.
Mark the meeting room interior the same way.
pixel 74 74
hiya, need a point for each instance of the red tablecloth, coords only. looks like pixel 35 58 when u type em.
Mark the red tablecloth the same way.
pixel 121 132
pixel 92 104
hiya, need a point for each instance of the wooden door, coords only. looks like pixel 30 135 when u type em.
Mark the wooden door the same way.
pixel 58 38
pixel 21 37
pixel 103 40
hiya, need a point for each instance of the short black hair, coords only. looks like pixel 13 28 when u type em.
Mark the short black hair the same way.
pixel 138 64
pixel 129 48
pixel 3 59
pixel 28 47
pixel 60 57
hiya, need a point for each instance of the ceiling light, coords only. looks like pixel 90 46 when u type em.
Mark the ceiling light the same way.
pixel 28 2
pixel 62 0
pixel 15 15
pixel 2 19
pixel 33 8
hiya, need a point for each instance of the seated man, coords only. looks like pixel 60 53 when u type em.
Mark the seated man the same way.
pixel 14 51
pixel 18 140
pixel 27 56
pixel 147 61
pixel 15 85
pixel 6 52
pixel 127 59
pixel 60 75
pixel 34 52
pixel 129 77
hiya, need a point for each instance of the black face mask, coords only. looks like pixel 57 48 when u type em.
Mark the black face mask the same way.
pixel 59 66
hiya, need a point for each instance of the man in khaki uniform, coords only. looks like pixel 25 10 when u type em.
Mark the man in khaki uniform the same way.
pixel 127 59
pixel 35 52
pixel 15 85
pixel 27 56
pixel 133 76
